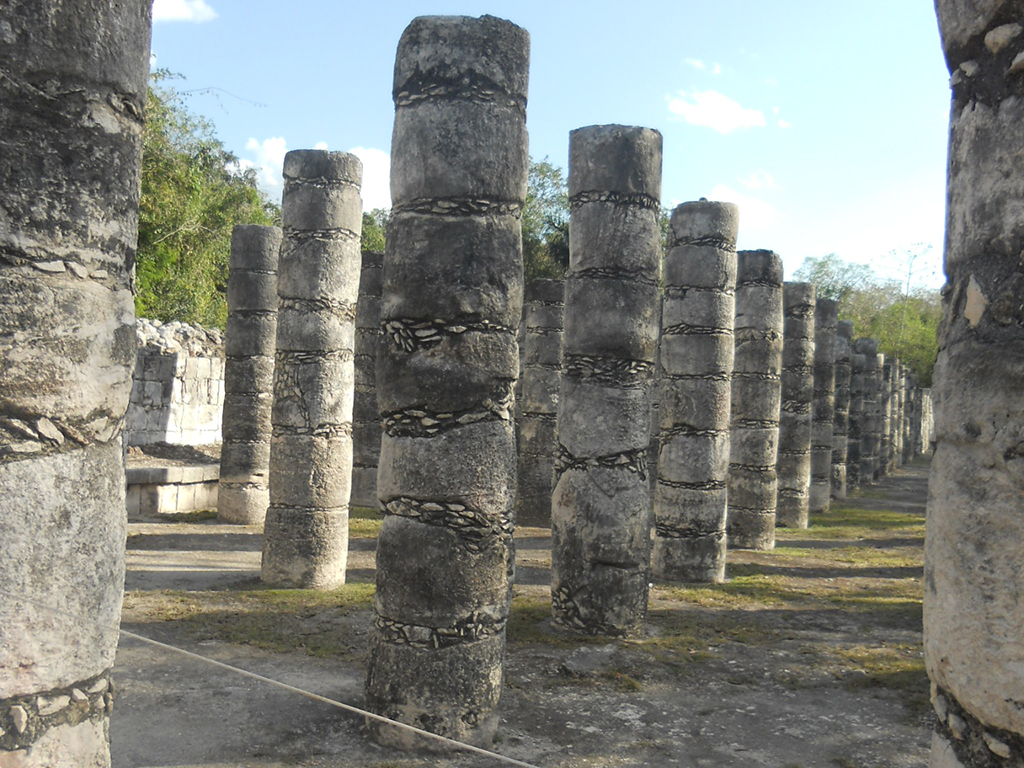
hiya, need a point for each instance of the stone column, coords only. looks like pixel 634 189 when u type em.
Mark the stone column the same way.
pixel 601 505
pixel 885 418
pixel 305 537
pixel 541 355
pixel 841 413
pixel 794 457
pixel 695 372
pixel 756 401
pixel 72 90
pixel 973 611
pixel 365 416
pixel 855 428
pixel 446 366
pixel 826 313
pixel 908 418
pixel 870 417
pixel 878 416
pixel 898 409
pixel 243 491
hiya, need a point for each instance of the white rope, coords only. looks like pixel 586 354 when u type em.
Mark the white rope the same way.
pixel 284 686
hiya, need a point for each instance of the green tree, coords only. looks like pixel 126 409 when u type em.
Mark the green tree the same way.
pixel 546 222
pixel 375 227
pixel 193 193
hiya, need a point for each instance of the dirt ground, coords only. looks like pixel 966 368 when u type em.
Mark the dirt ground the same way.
pixel 809 656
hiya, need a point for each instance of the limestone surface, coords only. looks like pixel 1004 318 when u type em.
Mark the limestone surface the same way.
pixel 756 401
pixel 600 507
pixel 72 91
pixel 447 361
pixel 305 536
pixel 694 374
pixel 855 428
pixel 823 404
pixel 243 491
pixel 841 413
pixel 366 428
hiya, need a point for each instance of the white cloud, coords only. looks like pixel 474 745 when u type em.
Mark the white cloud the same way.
pixel 717 70
pixel 759 180
pixel 183 10
pixel 320 145
pixel 696 63
pixel 376 192
pixel 713 110
pixel 785 124
pixel 268 160
pixel 756 216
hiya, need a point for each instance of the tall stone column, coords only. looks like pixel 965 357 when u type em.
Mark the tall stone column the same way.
pixel 855 428
pixel 826 315
pixel 365 416
pixel 841 413
pixel 541 356
pixel 793 463
pixel 973 611
pixel 885 418
pixel 244 491
pixel 870 417
pixel 600 508
pixel 756 401
pixel 877 421
pixel 446 366
pixel 908 418
pixel 72 91
pixel 695 372
pixel 305 537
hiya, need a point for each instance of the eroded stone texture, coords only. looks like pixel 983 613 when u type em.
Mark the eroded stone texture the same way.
pixel 600 507
pixel 793 464
pixel 901 413
pixel 973 613
pixel 694 375
pixel 72 90
pixel 541 354
pixel 877 420
pixel 756 401
pixel 823 407
pixel 446 364
pixel 855 429
pixel 243 491
pixel 365 416
pixel 885 418
pixel 305 537
pixel 841 412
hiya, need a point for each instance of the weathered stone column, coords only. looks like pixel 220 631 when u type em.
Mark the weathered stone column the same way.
pixel 885 418
pixel 756 401
pixel 823 409
pixel 601 505
pixel 695 372
pixel 541 355
pixel 305 537
pixel 855 429
pixel 899 395
pixel 870 416
pixel 243 491
pixel 841 413
pixel 365 416
pixel 973 611
pixel 908 418
pixel 878 416
pixel 72 90
pixel 446 366
pixel 794 458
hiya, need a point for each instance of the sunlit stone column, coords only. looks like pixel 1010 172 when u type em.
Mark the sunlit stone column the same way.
pixel 541 352
pixel 795 420
pixel 823 407
pixel 72 89
pixel 365 416
pixel 243 491
pixel 901 412
pixel 841 412
pixel 305 537
pixel 756 401
pixel 973 610
pixel 870 417
pixel 601 505
pixel 855 427
pixel 885 417
pixel 446 366
pixel 695 371
pixel 877 421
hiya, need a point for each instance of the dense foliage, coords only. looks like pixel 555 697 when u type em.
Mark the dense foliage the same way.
pixel 903 319
pixel 193 193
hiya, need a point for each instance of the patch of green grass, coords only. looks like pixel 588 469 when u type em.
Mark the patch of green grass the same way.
pixel 304 620
pixel 195 516
pixel 847 523
pixel 529 621
pixel 364 522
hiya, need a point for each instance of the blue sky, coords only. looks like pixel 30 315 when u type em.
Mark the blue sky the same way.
pixel 825 121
